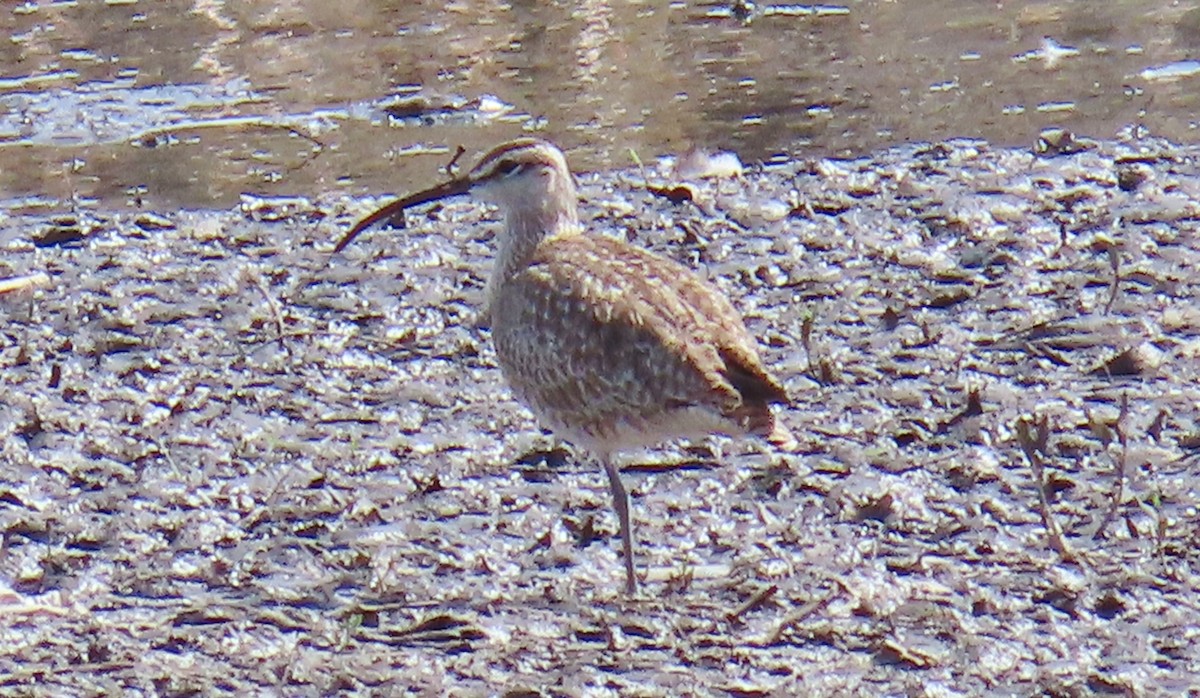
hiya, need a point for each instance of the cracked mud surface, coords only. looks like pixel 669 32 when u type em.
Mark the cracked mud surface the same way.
pixel 233 464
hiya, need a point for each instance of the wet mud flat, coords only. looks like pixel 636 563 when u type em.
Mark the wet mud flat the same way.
pixel 234 464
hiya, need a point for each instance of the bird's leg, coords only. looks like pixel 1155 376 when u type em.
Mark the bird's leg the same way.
pixel 621 504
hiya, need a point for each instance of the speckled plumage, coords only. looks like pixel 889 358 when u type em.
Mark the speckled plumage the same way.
pixel 616 348
pixel 609 345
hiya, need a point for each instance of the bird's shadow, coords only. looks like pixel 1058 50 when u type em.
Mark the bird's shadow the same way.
pixel 543 464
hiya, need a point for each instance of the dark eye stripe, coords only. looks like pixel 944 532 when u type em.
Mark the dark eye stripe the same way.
pixel 508 167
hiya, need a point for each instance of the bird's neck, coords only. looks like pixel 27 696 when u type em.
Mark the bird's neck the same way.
pixel 525 227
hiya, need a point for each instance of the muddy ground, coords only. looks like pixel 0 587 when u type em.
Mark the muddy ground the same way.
pixel 233 464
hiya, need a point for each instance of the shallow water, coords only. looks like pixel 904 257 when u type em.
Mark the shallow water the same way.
pixel 190 103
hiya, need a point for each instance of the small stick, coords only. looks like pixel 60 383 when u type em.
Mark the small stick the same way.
pixel 453 164
pixel 1114 260
pixel 1122 465
pixel 276 314
pixel 1033 442
pixel 803 612
pixel 21 283
pixel 735 616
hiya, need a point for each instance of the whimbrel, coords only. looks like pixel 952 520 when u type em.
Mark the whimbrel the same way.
pixel 611 346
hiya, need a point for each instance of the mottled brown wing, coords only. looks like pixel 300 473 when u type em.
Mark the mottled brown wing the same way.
pixel 714 319
pixel 596 327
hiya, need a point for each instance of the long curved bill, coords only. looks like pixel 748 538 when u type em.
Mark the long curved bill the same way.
pixel 393 213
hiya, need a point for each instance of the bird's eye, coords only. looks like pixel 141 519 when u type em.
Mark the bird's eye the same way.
pixel 507 167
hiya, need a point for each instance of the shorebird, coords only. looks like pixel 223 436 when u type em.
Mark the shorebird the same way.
pixel 610 346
